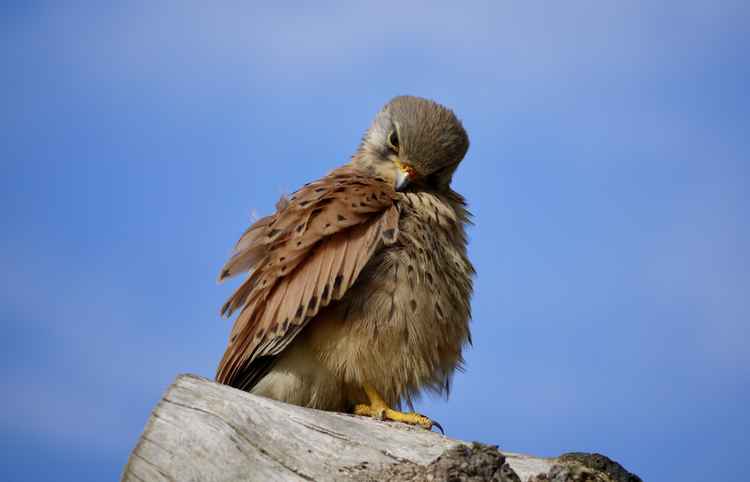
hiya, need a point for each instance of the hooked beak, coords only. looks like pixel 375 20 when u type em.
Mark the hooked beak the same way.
pixel 404 176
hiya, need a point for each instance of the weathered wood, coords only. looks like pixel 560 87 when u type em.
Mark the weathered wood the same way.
pixel 204 431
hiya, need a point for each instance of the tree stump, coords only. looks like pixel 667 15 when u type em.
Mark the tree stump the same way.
pixel 204 431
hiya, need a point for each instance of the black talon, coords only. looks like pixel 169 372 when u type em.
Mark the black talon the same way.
pixel 440 427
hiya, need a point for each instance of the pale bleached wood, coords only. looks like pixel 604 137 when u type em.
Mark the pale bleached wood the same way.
pixel 204 431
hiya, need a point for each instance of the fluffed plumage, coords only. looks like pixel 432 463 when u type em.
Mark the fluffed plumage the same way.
pixel 354 282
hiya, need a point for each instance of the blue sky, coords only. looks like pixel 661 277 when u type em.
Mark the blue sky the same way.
pixel 608 175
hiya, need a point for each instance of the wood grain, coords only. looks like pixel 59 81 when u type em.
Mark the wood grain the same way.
pixel 204 431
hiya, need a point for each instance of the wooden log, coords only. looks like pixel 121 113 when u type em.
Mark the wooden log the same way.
pixel 204 431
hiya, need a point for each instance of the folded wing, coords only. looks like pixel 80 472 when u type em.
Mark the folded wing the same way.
pixel 301 259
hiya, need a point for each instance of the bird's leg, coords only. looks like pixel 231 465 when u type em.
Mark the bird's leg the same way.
pixel 380 410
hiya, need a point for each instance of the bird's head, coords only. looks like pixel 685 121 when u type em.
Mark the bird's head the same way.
pixel 414 143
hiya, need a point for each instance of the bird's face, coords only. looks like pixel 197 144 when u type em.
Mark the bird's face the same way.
pixel 413 143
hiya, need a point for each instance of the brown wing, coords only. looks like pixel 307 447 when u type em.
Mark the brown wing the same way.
pixel 300 259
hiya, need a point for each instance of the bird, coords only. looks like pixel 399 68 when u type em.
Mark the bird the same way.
pixel 357 295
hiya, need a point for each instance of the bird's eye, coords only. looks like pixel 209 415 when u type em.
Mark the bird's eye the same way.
pixel 393 141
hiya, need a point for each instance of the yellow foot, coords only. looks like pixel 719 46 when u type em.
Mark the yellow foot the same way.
pixel 385 413
pixel 378 409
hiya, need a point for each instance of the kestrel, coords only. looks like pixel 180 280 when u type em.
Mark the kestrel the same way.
pixel 359 286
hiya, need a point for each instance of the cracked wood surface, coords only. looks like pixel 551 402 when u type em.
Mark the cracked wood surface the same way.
pixel 203 431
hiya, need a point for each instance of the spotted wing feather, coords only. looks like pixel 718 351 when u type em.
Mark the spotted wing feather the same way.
pixel 301 259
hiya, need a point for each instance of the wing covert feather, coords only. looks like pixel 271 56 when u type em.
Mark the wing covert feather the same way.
pixel 301 259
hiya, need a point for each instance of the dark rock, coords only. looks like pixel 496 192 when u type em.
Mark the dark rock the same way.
pixel 601 463
pixel 474 463
pixel 584 467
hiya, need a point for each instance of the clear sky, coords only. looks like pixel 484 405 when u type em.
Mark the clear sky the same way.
pixel 608 175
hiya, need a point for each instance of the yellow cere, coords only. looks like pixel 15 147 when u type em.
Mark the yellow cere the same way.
pixel 405 168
